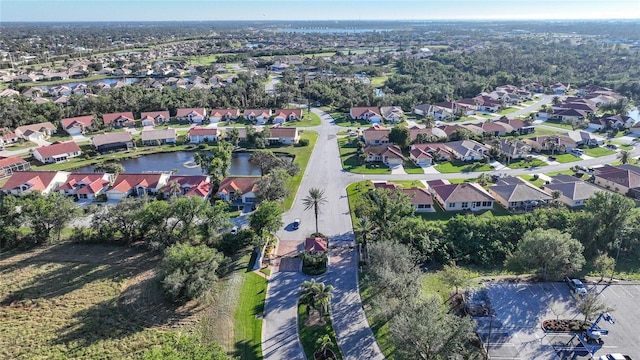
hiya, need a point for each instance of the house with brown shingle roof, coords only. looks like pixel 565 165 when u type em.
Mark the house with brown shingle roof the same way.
pixel 242 189
pixel 376 135
pixel 623 179
pixel 152 118
pixel 192 115
pixel 119 119
pixel 283 135
pixel 136 185
pixel 369 113
pixel 280 116
pixel 77 125
pixel 390 155
pixel 216 115
pixel 86 185
pixel 420 198
pixel 28 181
pixel 112 141
pixel 465 196
pixel 9 165
pixel 159 137
pixel 392 114
pixel 40 131
pixel 57 152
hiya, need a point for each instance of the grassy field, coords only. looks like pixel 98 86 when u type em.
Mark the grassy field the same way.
pixel 598 152
pixel 537 183
pixel 409 183
pixel 562 172
pixel 351 162
pixel 308 119
pixel 558 124
pixel 411 168
pixel 522 164
pixel 84 301
pixel 566 158
pixel 378 81
pixel 310 334
pixel 21 145
pixel 508 110
pixel 354 191
pixel 248 328
pixel 461 166
pixel 302 155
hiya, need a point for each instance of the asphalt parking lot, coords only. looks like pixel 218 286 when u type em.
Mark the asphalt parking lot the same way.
pixel 515 333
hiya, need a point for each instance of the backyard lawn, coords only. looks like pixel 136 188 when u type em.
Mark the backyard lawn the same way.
pixel 558 124
pixel 461 166
pixel 538 182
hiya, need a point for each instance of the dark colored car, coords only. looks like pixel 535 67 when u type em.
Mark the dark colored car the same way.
pixel 296 224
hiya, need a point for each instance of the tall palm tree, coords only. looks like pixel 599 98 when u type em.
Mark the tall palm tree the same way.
pixel 316 296
pixel 314 199
pixel 174 188
pixel 624 156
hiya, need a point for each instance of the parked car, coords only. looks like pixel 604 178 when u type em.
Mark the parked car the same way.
pixel 552 158
pixel 611 147
pixel 616 356
pixel 296 224
pixel 234 230
pixel 576 285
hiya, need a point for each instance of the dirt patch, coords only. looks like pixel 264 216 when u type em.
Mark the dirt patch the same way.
pixel 314 319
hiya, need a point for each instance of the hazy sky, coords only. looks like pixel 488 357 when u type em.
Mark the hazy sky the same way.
pixel 155 10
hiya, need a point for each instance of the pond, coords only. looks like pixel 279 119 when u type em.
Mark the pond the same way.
pixel 182 163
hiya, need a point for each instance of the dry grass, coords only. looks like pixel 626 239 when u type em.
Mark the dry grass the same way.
pixel 84 301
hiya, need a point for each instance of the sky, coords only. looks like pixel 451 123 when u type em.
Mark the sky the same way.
pixel 185 10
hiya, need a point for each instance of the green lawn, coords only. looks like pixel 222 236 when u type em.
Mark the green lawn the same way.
pixel 411 168
pixel 487 116
pixel 540 131
pixel 460 181
pixel 566 158
pixel 248 328
pixel 558 124
pixel 598 152
pixel 310 334
pixel 351 161
pixel 308 119
pixel 379 327
pixel 562 172
pixel 522 164
pixel 354 191
pixel 21 145
pixel 378 81
pixel 537 183
pixel 343 119
pixel 461 166
pixel 623 146
pixel 409 183
pixel 508 110
pixel 442 215
pixel 302 155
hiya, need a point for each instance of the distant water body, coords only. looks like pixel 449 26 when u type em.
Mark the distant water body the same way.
pixel 332 31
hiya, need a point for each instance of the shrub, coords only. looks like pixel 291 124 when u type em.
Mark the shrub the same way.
pixel 303 142
pixel 189 271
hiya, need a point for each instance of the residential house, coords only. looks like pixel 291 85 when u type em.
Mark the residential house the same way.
pixel 522 127
pixel 9 165
pixel 392 114
pixel 316 245
pixel 86 185
pixel 27 181
pixel 283 115
pixel 376 135
pixel 77 125
pixel 35 132
pixel 200 134
pixel 390 155
pixel 467 150
pixel 136 185
pixel 429 134
pixel 57 152
pixel 119 119
pixel 494 128
pixel 159 137
pixel 635 129
pixel 464 196
pixel 369 113
pixel 257 116
pixel 152 118
pixel 112 141
pixel 553 143
pixel 437 112
pixel 584 138
pixel 573 191
pixel 514 149
pixel 188 185
pixel 283 135
pixel 7 137
pixel 437 151
pixel 623 179
pixel 420 157
pixel 217 115
pixel 560 88
pixel 192 115
pixel 238 189
pixel 420 198
pixel 516 194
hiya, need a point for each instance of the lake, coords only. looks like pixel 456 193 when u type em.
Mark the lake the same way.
pixel 182 163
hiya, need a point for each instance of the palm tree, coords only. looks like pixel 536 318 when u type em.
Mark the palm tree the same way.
pixel 316 296
pixel 314 200
pixel 365 227
pixel 174 188
pixel 551 144
pixel 624 156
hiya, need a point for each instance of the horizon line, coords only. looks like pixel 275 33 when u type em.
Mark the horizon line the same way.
pixel 323 20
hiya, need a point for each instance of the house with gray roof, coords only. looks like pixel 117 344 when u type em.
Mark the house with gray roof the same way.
pixel 465 196
pixel 573 191
pixel 516 194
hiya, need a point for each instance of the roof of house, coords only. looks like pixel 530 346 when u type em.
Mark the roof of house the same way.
pixel 576 190
pixel 223 112
pixel 233 184
pixel 125 182
pixel 109 118
pixel 161 134
pixel 418 195
pixel 628 176
pixel 464 147
pixel 391 111
pixel 257 112
pixel 418 153
pixel 152 115
pixel 94 182
pixel 84 121
pixel 36 127
pixel 198 185
pixel 8 161
pixel 202 131
pixel 58 148
pixel 111 138
pixel 391 151
pixel 315 244
pixel 287 112
pixel 359 111
pixel 193 111
pixel 283 132
pixel 462 192
pixel 519 192
pixel 379 133
pixel 39 180
pixel 7 134
pixel 514 123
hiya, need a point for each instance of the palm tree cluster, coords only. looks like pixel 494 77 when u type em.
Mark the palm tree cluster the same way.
pixel 316 296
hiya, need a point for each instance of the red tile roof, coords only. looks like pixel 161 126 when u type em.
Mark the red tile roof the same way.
pixel 233 184
pixel 125 182
pixel 38 179
pixel 7 134
pixel 11 161
pixel 109 118
pixel 257 112
pixel 152 115
pixel 94 182
pixel 315 244
pixel 283 132
pixel 288 112
pixel 58 148
pixel 201 131
pixel 83 121
pixel 359 111
pixel 223 112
